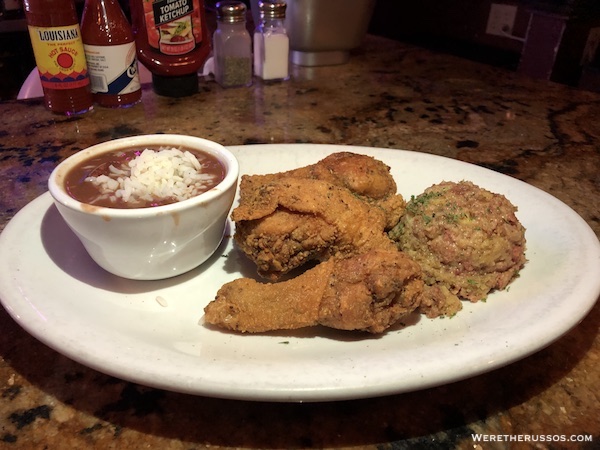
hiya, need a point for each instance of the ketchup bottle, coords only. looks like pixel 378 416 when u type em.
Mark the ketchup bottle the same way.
pixel 58 49
pixel 110 53
pixel 172 42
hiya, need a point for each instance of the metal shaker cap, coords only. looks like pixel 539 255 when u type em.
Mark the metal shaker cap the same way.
pixel 231 12
pixel 272 9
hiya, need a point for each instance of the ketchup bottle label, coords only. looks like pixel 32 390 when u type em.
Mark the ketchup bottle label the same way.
pixel 59 56
pixel 173 26
pixel 113 69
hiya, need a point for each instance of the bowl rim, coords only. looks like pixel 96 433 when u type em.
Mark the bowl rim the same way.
pixel 228 159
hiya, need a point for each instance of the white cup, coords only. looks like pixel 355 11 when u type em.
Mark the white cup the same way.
pixel 154 242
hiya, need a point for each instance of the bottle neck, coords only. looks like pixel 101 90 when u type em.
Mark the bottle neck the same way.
pixel 269 22
pixel 231 26
pixel 269 25
pixel 104 23
pixel 60 13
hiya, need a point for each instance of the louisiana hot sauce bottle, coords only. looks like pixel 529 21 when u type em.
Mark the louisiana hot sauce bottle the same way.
pixel 172 42
pixel 58 50
pixel 111 54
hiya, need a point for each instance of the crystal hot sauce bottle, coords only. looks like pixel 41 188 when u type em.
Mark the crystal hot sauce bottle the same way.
pixel 110 53
pixel 172 41
pixel 58 49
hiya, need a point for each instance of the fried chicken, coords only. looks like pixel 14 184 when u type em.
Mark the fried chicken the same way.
pixel 284 223
pixel 366 177
pixel 368 292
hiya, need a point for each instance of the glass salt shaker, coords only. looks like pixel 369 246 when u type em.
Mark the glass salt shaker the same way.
pixel 271 42
pixel 232 45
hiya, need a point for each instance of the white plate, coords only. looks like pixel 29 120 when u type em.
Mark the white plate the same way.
pixel 52 289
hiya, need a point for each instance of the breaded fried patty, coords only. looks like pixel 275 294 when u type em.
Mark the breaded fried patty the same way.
pixel 467 240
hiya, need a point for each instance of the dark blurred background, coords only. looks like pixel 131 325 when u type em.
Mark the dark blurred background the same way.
pixel 556 40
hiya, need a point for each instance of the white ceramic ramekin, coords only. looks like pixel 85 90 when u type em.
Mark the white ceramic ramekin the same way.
pixel 155 242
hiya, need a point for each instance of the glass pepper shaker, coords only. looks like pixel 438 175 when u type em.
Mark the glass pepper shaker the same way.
pixel 232 46
pixel 271 42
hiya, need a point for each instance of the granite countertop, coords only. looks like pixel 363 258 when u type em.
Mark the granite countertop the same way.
pixel 389 95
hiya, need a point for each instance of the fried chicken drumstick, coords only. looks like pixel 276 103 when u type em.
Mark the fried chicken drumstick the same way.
pixel 368 292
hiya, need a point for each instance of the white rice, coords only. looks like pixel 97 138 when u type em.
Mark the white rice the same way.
pixel 161 301
pixel 167 173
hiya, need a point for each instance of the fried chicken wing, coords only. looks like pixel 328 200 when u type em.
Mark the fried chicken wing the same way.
pixel 365 176
pixel 368 292
pixel 286 222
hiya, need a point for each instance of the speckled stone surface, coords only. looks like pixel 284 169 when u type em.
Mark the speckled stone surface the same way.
pixel 389 95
